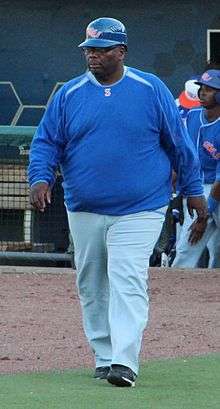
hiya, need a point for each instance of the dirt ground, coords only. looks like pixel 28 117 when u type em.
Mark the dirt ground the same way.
pixel 41 326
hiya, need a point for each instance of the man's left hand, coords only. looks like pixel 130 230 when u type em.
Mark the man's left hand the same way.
pixel 199 204
pixel 197 230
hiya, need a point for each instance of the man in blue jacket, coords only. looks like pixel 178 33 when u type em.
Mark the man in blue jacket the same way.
pixel 203 125
pixel 116 134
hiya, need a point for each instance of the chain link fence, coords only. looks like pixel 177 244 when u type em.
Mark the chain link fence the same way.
pixel 26 235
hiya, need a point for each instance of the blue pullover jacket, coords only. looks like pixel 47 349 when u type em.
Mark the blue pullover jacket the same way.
pixel 206 138
pixel 116 145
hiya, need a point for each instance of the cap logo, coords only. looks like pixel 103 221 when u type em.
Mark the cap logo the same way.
pixel 92 33
pixel 114 29
pixel 206 77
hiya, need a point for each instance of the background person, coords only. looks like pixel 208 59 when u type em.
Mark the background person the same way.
pixel 203 125
pixel 188 98
pixel 116 133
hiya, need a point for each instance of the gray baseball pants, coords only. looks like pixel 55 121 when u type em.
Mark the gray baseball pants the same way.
pixel 112 256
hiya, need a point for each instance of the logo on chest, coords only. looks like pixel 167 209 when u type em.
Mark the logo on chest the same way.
pixel 107 92
pixel 209 147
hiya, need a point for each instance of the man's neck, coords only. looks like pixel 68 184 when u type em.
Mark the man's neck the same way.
pixel 109 79
pixel 213 113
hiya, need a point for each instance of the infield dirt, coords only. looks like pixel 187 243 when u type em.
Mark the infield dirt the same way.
pixel 41 324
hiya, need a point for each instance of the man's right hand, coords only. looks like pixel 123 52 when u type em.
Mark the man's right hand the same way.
pixel 40 195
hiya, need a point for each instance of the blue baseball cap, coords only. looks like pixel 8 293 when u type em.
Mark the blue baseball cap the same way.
pixel 211 78
pixel 105 32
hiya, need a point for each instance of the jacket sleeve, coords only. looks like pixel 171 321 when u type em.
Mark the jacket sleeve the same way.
pixel 217 177
pixel 48 143
pixel 217 154
pixel 177 143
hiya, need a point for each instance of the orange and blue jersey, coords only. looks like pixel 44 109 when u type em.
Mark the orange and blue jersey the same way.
pixel 206 138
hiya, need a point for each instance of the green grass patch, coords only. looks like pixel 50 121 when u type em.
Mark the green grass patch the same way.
pixel 186 383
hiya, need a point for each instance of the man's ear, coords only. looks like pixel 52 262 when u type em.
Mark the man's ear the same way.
pixel 123 51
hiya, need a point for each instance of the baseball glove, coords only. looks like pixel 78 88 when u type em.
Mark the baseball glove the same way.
pixel 167 238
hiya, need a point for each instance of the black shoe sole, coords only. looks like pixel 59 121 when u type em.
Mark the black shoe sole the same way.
pixel 120 381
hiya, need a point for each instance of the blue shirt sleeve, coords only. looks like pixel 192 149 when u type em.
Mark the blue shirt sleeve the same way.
pixel 48 143
pixel 177 143
pixel 217 178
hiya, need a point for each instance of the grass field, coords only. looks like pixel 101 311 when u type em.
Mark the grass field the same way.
pixel 190 383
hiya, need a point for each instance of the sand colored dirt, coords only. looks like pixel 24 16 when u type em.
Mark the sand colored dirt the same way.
pixel 41 324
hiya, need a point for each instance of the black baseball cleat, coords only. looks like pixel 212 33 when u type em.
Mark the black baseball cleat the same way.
pixel 120 375
pixel 101 372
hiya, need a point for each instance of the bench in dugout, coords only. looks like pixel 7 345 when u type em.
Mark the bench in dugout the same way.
pixel 22 229
pixel 14 190
pixel 14 195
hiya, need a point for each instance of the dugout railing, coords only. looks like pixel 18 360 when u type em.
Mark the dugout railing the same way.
pixel 28 237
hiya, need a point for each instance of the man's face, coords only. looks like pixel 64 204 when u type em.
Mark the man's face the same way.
pixel 207 96
pixel 104 61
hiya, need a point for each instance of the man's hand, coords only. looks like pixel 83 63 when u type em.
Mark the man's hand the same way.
pixel 40 195
pixel 199 204
pixel 197 230
pixel 198 227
